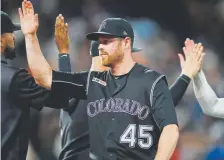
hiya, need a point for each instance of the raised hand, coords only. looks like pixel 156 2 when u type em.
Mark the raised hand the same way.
pixel 28 20
pixel 192 63
pixel 61 35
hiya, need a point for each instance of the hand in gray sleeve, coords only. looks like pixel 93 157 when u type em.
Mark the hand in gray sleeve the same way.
pixel 208 100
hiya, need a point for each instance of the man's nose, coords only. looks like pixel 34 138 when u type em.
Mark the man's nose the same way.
pixel 100 47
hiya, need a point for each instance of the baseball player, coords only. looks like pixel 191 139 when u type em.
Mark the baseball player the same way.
pixel 127 114
pixel 208 100
pixel 73 121
pixel 132 114
pixel 69 125
pixel 19 92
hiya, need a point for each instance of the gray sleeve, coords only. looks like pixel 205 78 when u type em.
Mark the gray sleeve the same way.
pixel 208 100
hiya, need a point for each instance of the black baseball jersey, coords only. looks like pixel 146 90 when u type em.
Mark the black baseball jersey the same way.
pixel 126 116
pixel 74 132
pixel 73 123
pixel 19 92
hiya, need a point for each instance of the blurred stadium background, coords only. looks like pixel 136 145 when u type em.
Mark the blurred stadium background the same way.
pixel 161 27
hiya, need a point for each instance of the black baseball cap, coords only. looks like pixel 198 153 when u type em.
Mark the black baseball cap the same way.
pixel 94 48
pixel 116 27
pixel 6 24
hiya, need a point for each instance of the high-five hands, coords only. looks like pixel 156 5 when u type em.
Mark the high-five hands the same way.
pixel 28 19
pixel 61 35
pixel 191 62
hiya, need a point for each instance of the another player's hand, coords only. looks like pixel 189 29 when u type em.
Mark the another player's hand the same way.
pixel 191 64
pixel 61 35
pixel 29 20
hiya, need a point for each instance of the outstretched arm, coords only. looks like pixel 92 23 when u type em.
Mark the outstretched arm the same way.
pixel 191 64
pixel 41 70
pixel 62 42
pixel 208 100
pixel 66 84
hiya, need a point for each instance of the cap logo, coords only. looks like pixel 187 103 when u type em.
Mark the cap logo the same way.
pixel 125 33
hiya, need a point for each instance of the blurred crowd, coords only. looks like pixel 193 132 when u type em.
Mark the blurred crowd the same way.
pixel 160 29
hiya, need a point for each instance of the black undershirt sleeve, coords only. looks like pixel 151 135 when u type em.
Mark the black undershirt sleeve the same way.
pixel 64 62
pixel 179 87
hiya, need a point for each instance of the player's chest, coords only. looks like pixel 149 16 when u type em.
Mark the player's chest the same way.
pixel 125 89
pixel 131 101
pixel 128 97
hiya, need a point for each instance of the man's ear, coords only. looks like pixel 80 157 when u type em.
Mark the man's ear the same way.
pixel 127 41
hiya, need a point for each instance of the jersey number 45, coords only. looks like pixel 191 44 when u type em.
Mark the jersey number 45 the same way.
pixel 144 138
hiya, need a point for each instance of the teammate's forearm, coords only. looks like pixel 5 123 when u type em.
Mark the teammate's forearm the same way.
pixel 64 62
pixel 179 87
pixel 203 92
pixel 167 142
pixel 208 100
pixel 216 110
pixel 38 65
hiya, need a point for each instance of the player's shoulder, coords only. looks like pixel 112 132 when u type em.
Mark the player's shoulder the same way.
pixel 80 73
pixel 147 73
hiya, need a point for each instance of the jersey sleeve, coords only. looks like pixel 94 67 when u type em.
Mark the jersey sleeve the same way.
pixel 25 92
pixel 163 110
pixel 72 85
pixel 207 98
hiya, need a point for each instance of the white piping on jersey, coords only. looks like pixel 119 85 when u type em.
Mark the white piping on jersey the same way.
pixel 58 81
pixel 184 80
pixel 153 87
pixel 88 79
pixel 151 95
pixel 148 70
pixel 64 55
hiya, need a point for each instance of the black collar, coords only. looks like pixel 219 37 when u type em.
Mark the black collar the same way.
pixel 3 59
pixel 115 88
pixel 111 75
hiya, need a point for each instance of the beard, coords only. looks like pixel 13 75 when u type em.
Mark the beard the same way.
pixel 10 53
pixel 110 59
pixel 107 60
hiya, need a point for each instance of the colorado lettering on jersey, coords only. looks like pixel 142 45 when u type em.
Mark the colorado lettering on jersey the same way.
pixel 128 106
